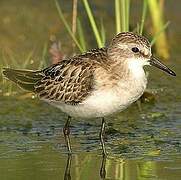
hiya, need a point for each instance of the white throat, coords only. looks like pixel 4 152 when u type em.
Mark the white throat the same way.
pixel 136 67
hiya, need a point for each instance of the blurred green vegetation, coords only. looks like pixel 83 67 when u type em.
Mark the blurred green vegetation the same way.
pixel 122 19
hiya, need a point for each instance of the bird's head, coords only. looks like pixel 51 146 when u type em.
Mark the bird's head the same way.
pixel 135 51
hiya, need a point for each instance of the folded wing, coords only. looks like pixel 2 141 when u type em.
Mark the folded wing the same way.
pixel 68 81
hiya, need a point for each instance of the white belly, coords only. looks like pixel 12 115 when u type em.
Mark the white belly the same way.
pixel 103 103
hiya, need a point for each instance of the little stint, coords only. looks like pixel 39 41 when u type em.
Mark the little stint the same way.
pixel 94 84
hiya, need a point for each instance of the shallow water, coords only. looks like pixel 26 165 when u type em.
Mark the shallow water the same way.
pixel 141 145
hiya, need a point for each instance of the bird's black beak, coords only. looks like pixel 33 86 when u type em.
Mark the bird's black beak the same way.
pixel 155 62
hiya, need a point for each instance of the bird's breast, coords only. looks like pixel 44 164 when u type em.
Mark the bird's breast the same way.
pixel 108 101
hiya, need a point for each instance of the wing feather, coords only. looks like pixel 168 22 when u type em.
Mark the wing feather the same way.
pixel 66 82
pixel 69 81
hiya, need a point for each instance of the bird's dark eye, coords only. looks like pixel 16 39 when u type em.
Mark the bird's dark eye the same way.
pixel 135 49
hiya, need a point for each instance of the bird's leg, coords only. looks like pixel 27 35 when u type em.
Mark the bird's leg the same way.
pixel 103 168
pixel 102 137
pixel 66 132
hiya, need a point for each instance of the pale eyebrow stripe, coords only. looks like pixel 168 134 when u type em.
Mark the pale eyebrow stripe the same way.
pixel 122 46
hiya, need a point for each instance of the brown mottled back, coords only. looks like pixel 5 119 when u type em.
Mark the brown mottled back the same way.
pixel 69 81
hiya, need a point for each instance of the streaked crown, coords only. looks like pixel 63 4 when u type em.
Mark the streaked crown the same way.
pixel 129 37
pixel 126 43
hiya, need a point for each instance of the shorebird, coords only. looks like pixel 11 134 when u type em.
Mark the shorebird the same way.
pixel 95 84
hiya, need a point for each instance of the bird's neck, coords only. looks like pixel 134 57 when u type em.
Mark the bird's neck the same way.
pixel 128 69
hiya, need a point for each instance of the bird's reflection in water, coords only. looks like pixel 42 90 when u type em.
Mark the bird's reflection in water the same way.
pixel 103 168
pixel 67 173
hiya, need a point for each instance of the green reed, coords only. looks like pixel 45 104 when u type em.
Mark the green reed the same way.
pixel 67 26
pixel 159 37
pixel 143 17
pixel 122 22
pixel 93 23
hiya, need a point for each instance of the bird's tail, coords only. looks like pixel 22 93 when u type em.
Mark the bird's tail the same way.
pixel 26 79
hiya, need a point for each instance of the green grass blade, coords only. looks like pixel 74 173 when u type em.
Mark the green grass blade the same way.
pixel 43 62
pixel 14 61
pixel 103 33
pixel 67 26
pixel 27 60
pixel 144 12
pixel 81 35
pixel 159 32
pixel 118 16
pixel 93 23
pixel 156 14
pixel 127 14
pixel 123 15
